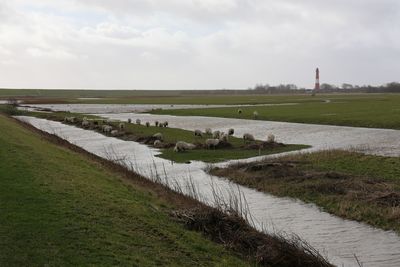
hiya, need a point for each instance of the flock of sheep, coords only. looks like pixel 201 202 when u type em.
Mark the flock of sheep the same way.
pixel 217 137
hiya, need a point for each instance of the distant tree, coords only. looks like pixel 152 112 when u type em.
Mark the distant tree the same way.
pixel 347 86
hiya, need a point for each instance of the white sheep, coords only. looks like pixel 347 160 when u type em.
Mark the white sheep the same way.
pixel 107 128
pixel 212 143
pixel 138 122
pixel 181 146
pixel 70 119
pixel 114 132
pixel 208 131
pixel 248 137
pixel 157 143
pixel 224 137
pixel 165 123
pixel 271 138
pixel 156 123
pixel 197 132
pixel 85 123
pixel 147 124
pixel 216 134
pixel 121 126
pixel 255 115
pixel 231 131
pixel 158 136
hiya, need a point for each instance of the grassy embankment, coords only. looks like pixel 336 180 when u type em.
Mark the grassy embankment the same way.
pixel 65 208
pixel 351 185
pixel 59 208
pixel 142 133
pixel 377 111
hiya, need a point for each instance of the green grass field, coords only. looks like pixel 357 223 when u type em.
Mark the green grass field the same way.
pixel 351 185
pixel 367 110
pixel 59 208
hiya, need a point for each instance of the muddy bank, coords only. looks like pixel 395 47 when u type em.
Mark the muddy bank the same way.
pixel 369 199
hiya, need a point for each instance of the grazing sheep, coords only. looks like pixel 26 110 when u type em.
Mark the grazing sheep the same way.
pixel 157 143
pixel 129 120
pixel 271 138
pixel 156 123
pixel 231 131
pixel 240 111
pixel 138 122
pixel 248 137
pixel 212 143
pixel 198 133
pixel 121 126
pixel 183 146
pixel 85 123
pixel 216 134
pixel 107 128
pixel 165 123
pixel 160 125
pixel 114 132
pixel 208 131
pixel 224 137
pixel 255 115
pixel 69 119
pixel 147 124
pixel 158 136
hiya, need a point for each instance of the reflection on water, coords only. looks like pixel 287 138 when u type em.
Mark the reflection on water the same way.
pixel 337 238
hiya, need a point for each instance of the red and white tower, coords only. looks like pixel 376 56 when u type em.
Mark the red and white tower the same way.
pixel 317 79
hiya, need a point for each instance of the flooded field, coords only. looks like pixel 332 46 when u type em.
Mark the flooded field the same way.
pixel 383 142
pixel 339 239
pixel 122 108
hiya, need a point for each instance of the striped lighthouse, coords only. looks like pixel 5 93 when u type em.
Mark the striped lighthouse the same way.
pixel 316 80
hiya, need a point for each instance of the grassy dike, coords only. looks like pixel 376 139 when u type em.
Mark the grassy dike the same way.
pixel 351 185
pixel 60 208
pixel 141 133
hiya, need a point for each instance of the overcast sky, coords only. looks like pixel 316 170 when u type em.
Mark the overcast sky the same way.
pixel 197 44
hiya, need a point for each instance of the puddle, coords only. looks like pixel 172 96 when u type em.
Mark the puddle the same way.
pixel 337 238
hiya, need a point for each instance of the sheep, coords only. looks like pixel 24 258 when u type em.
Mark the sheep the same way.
pixel 216 134
pixel 107 128
pixel 69 119
pixel 212 143
pixel 121 126
pixel 158 136
pixel 224 137
pixel 129 120
pixel 165 123
pixel 208 131
pixel 156 123
pixel 114 132
pixel 248 137
pixel 161 125
pixel 85 123
pixel 147 124
pixel 138 122
pixel 231 131
pixel 271 138
pixel 239 111
pixel 198 133
pixel 157 143
pixel 255 115
pixel 181 146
